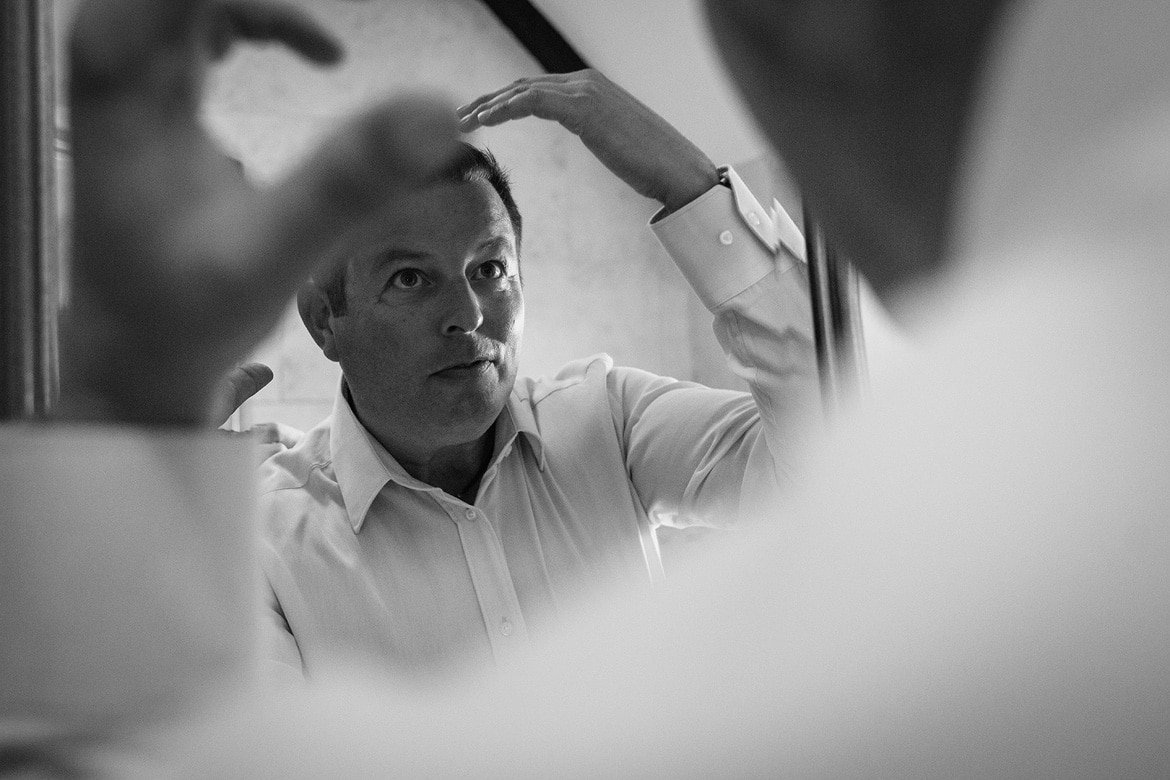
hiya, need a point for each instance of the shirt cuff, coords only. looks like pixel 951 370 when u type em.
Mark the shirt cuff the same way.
pixel 714 245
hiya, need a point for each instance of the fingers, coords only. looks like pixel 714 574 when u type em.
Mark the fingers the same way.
pixel 112 40
pixel 259 21
pixel 556 101
pixel 381 155
pixel 240 384
pixel 279 434
pixel 267 439
pixel 550 78
pixel 271 438
pixel 152 45
pixel 468 111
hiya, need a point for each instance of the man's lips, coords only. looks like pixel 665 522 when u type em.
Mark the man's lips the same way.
pixel 469 367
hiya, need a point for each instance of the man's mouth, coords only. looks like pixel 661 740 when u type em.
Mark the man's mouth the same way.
pixel 464 369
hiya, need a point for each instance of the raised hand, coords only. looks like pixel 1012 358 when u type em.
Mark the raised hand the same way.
pixel 636 144
pixel 237 386
pixel 180 266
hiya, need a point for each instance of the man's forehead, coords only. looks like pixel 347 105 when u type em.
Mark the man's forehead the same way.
pixel 462 203
pixel 446 215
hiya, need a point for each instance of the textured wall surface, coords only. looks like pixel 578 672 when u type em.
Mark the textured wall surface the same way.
pixel 595 278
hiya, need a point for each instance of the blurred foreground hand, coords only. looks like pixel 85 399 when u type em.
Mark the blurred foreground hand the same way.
pixel 180 265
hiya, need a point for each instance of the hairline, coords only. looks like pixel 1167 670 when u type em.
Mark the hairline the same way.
pixel 471 164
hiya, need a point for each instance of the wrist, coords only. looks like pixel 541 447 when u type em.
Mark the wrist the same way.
pixel 702 179
pixel 110 377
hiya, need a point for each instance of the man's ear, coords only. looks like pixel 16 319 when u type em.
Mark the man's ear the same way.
pixel 314 309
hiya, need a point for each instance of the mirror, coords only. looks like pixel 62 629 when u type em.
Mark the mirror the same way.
pixel 595 278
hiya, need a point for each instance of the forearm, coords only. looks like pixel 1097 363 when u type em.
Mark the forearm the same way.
pixel 760 301
pixel 113 375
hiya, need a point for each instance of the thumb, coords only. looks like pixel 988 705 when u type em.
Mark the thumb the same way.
pixel 237 386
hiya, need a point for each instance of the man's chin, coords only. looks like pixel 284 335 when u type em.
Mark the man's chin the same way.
pixel 468 399
pixel 460 433
pixel 469 415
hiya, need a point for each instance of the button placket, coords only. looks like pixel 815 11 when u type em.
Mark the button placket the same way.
pixel 492 580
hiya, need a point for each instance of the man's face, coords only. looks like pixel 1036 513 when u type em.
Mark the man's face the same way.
pixel 430 340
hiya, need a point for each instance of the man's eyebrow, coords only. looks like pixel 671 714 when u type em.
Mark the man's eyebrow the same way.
pixel 394 254
pixel 498 242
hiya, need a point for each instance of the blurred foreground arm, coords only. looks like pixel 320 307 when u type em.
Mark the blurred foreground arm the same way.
pixel 181 265
pixel 125 556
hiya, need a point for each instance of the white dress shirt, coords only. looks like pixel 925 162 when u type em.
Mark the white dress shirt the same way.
pixel 363 559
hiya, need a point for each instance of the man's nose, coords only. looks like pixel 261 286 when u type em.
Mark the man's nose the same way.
pixel 463 313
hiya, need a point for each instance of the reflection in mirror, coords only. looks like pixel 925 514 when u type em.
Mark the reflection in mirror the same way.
pixel 522 523
pixel 595 280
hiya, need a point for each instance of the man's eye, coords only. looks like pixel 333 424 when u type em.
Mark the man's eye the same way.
pixel 493 269
pixel 407 279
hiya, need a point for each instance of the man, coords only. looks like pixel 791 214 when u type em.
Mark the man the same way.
pixel 447 513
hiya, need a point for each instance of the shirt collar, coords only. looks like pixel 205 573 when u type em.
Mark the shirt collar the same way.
pixel 360 472
pixel 517 418
pixel 363 466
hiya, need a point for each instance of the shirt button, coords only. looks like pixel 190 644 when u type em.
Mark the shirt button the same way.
pixel 726 238
pixel 754 218
pixel 506 627
pixel 469 514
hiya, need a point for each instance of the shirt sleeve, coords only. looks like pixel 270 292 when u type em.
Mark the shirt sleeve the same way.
pixel 699 455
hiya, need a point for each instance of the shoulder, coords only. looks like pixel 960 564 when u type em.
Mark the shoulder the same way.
pixel 593 376
pixel 294 468
pixel 299 498
pixel 574 378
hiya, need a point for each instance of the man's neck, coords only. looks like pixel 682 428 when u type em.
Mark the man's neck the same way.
pixel 456 469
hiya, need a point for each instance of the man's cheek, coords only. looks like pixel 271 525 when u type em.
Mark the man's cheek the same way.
pixel 516 310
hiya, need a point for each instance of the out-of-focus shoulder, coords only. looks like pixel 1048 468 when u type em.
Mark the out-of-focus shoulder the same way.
pixel 292 468
pixel 573 374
